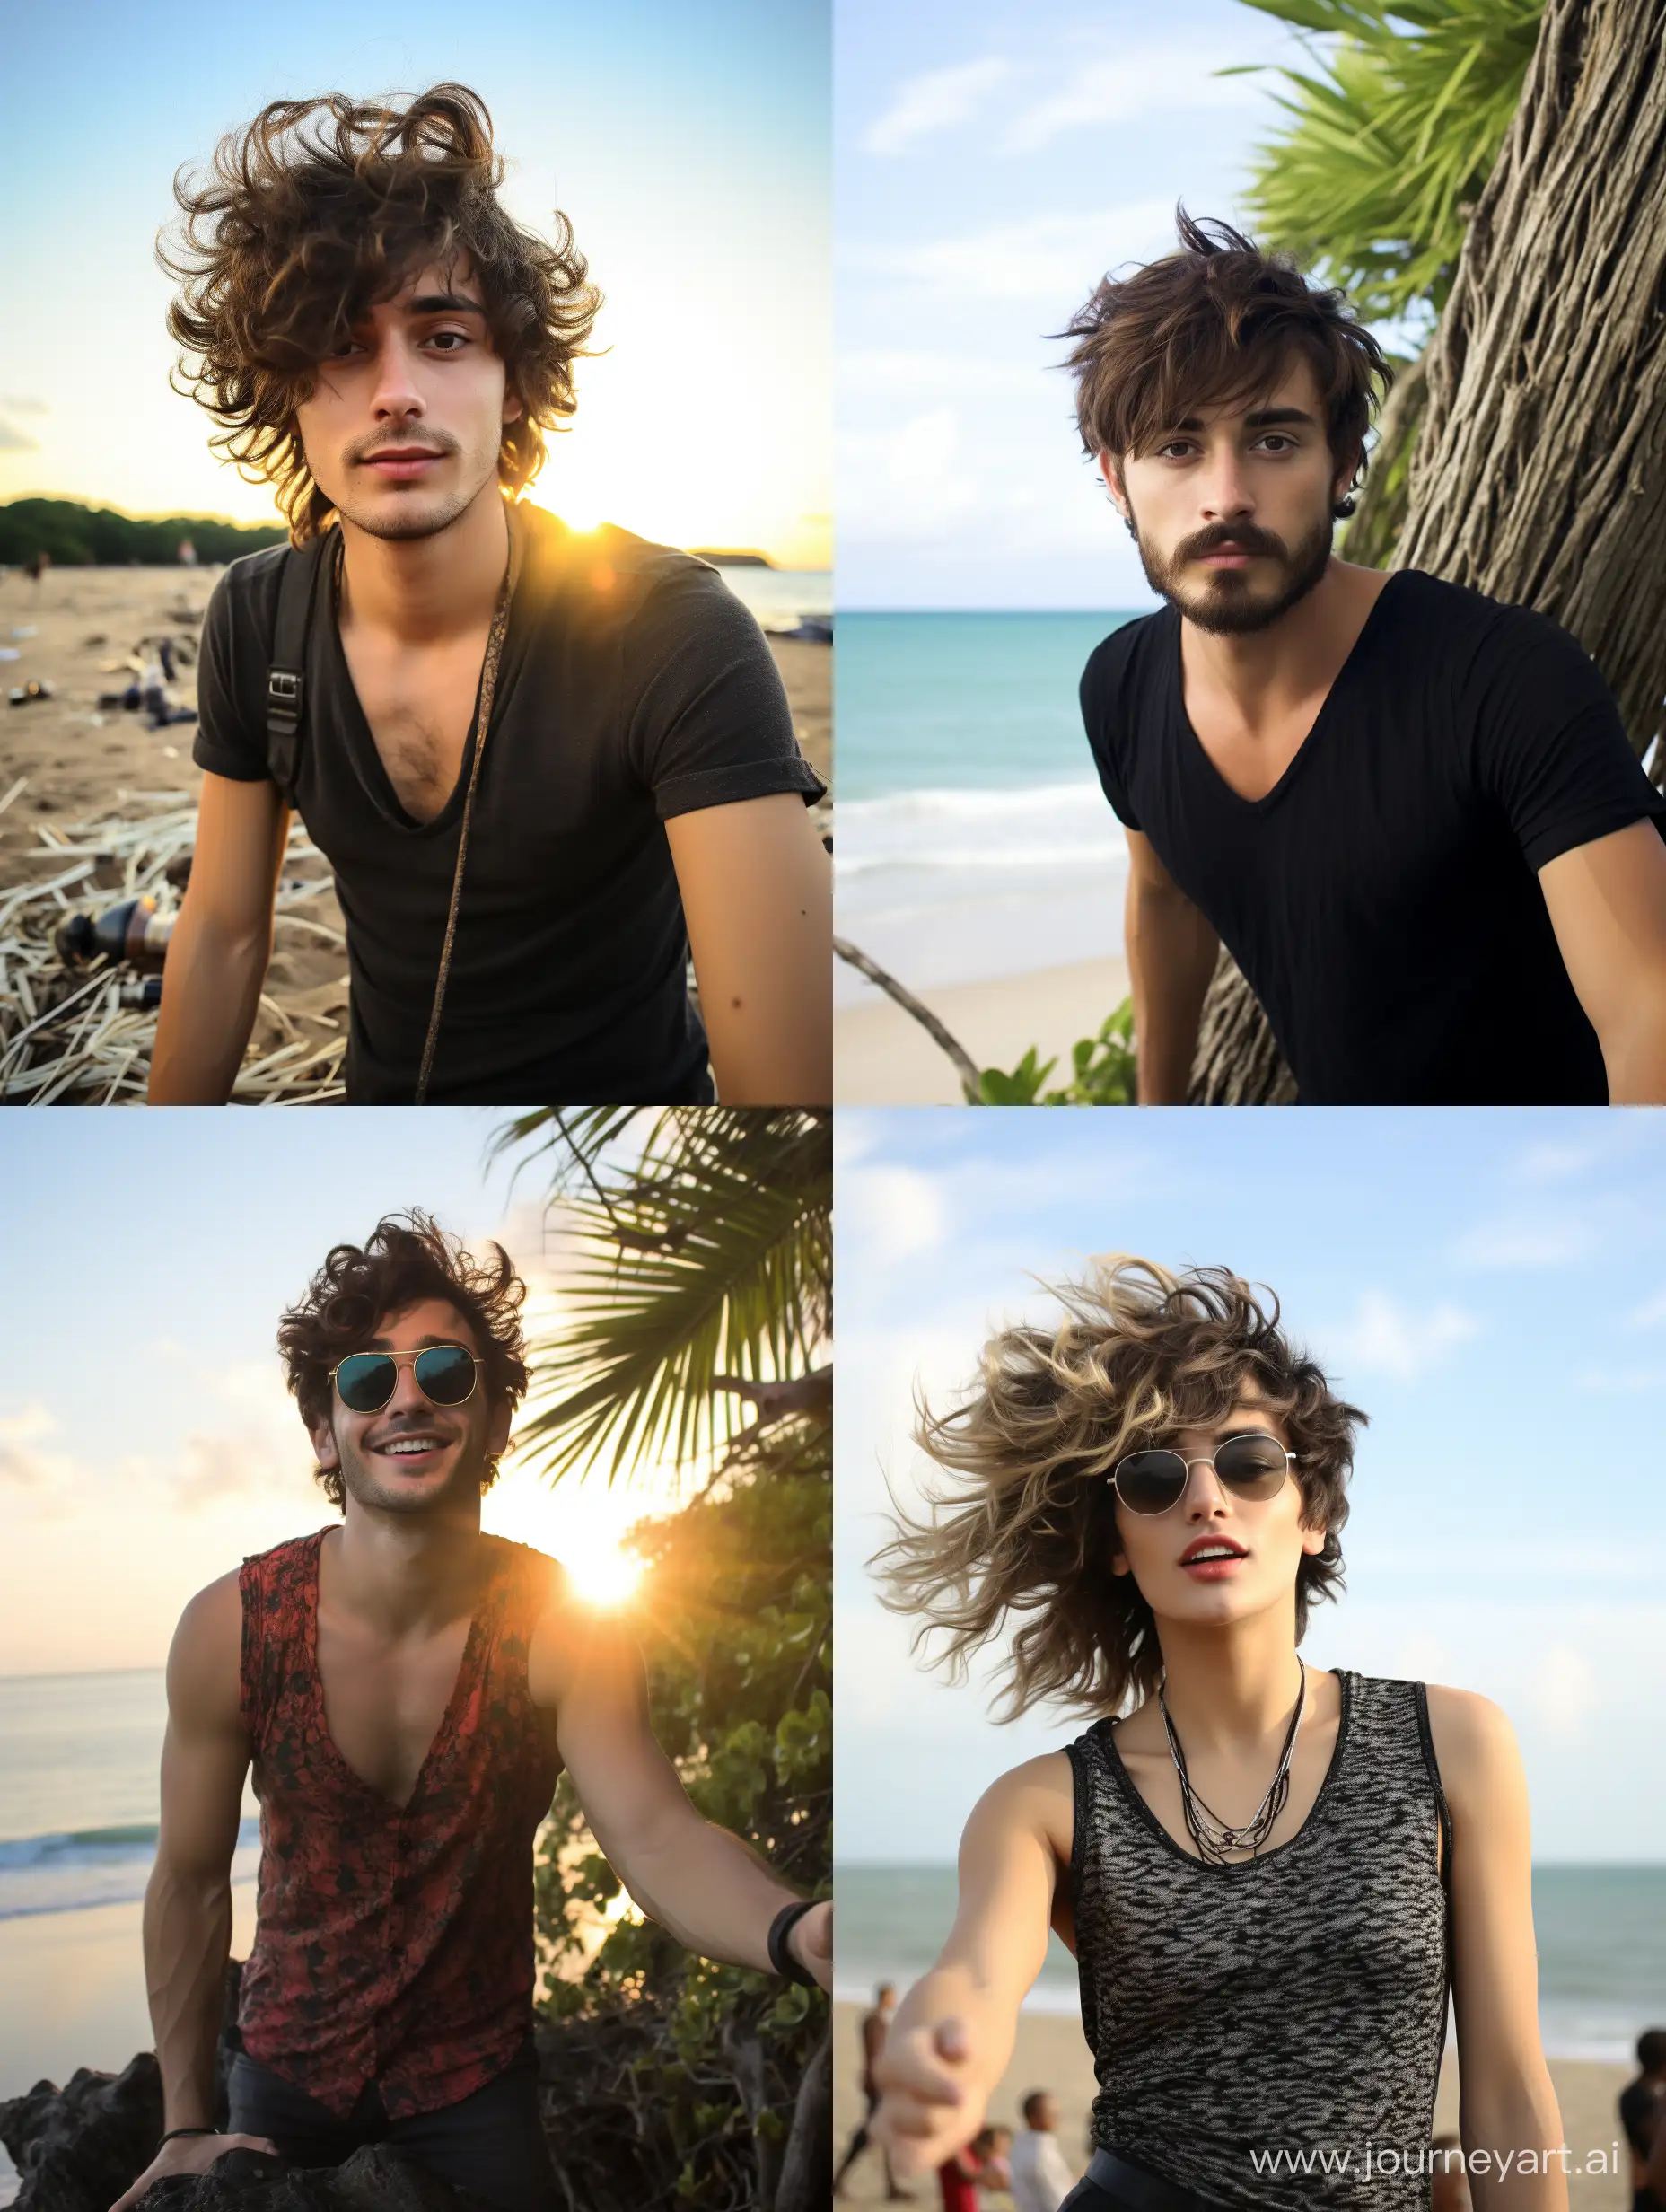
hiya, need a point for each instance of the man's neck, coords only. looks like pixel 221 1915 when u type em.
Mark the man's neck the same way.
pixel 1264 673
pixel 403 1575
pixel 427 591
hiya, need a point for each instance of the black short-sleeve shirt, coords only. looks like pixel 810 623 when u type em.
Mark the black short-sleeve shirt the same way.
pixel 1382 899
pixel 633 687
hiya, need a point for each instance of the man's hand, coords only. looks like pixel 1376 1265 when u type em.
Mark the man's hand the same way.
pixel 810 1939
pixel 932 2093
pixel 189 2154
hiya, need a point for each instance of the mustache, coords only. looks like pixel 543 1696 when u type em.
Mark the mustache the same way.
pixel 426 441
pixel 1241 537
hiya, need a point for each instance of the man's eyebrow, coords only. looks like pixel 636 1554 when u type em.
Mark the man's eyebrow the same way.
pixel 445 303
pixel 1269 415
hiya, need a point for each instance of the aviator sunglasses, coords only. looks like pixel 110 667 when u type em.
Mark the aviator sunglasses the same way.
pixel 1249 1464
pixel 446 1374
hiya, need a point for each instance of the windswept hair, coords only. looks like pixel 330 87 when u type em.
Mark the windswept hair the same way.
pixel 406 1258
pixel 1027 1525
pixel 1217 321
pixel 318 211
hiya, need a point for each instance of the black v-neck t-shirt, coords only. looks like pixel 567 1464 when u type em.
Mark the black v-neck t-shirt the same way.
pixel 633 687
pixel 1383 898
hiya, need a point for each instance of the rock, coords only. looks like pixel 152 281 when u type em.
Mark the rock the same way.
pixel 77 2148
pixel 375 2179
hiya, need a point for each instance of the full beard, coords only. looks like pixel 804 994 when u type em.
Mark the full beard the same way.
pixel 1224 605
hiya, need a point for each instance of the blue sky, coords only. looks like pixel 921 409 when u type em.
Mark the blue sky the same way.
pixel 146 1440
pixel 992 162
pixel 1489 1287
pixel 689 145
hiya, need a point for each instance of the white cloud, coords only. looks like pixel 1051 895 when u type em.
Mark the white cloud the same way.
pixel 15 440
pixel 1538 1240
pixel 913 481
pixel 897 1211
pixel 1388 1338
pixel 1124 88
pixel 1650 1314
pixel 933 101
pixel 1060 257
pixel 1567 1692
pixel 1607 1382
pixel 879 373
pixel 23 1461
pixel 14 405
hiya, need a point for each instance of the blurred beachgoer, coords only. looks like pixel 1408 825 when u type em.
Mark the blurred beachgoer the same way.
pixel 1042 2174
pixel 1410 813
pixel 521 902
pixel 407 1690
pixel 1449 2184
pixel 1266 1871
pixel 993 2150
pixel 1642 2109
pixel 959 2176
pixel 875 2021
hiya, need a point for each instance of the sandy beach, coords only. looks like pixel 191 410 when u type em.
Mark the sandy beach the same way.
pixel 1051 2055
pixel 883 1057
pixel 78 763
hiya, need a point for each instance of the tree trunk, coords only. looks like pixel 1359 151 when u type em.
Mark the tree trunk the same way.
pixel 806 2183
pixel 1374 528
pixel 1540 474
pixel 1538 470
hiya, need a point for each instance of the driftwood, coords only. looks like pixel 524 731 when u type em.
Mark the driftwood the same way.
pixel 965 1067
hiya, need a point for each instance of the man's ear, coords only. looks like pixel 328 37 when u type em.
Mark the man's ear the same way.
pixel 497 1429
pixel 513 408
pixel 324 1447
pixel 1110 469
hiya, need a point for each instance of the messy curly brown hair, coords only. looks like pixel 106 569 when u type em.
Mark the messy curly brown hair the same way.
pixel 405 1259
pixel 1214 321
pixel 317 211
pixel 1030 1527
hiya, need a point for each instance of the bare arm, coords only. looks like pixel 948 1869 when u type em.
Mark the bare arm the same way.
pixel 187 1903
pixel 1507 2107
pixel 222 942
pixel 757 897
pixel 952 2036
pixel 705 1885
pixel 1608 907
pixel 1171 954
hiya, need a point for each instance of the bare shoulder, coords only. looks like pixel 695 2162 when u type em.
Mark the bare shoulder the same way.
pixel 1475 1746
pixel 205 1661
pixel 1038 1798
pixel 577 1645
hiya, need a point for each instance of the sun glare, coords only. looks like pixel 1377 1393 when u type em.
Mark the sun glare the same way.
pixel 580 1522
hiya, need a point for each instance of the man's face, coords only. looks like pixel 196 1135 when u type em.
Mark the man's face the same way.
pixel 403 431
pixel 1044 2116
pixel 410 1456
pixel 1263 1539
pixel 1231 506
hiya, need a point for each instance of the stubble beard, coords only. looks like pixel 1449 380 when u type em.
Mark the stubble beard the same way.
pixel 362 1480
pixel 1225 606
pixel 405 513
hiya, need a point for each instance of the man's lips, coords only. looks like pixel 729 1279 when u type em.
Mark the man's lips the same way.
pixel 413 1449
pixel 403 461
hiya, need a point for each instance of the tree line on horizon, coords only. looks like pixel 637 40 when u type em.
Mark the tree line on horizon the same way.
pixel 74 535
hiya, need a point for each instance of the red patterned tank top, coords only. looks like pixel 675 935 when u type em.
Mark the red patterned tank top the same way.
pixel 393 1944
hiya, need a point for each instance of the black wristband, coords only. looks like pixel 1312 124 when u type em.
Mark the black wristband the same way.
pixel 780 1957
pixel 172 2132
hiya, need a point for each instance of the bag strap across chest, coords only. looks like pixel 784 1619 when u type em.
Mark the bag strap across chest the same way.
pixel 285 680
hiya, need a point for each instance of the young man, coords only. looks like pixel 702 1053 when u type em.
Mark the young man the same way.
pixel 875 2021
pixel 1271 1875
pixel 386 349
pixel 407 1690
pixel 1410 813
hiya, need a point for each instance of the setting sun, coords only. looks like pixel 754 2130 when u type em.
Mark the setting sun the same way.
pixel 580 1522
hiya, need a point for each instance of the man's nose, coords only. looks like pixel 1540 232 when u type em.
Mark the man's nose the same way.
pixel 407 1397
pixel 1224 491
pixel 396 395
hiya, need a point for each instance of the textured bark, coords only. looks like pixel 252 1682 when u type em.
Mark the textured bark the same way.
pixel 1374 529
pixel 806 2183
pixel 1539 473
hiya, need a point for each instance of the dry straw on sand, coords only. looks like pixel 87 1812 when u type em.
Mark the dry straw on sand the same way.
pixel 67 1038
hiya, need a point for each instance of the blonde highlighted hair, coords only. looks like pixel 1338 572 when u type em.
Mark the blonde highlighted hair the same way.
pixel 1025 1525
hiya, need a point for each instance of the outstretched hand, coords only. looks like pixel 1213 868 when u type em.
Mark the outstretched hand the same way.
pixel 189 2154
pixel 932 2098
pixel 811 1940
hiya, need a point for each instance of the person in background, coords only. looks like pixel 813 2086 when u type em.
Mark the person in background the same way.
pixel 993 2147
pixel 1642 2102
pixel 875 2021
pixel 1041 2176
pixel 958 2177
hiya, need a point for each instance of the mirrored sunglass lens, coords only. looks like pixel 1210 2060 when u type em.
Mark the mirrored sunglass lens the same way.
pixel 1151 1481
pixel 365 1381
pixel 445 1374
pixel 1255 1462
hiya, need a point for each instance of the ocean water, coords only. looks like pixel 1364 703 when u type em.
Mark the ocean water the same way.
pixel 79 1791
pixel 973 839
pixel 781 598
pixel 1601 1934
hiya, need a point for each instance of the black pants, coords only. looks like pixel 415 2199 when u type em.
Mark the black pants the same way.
pixel 1113 2185
pixel 492 2142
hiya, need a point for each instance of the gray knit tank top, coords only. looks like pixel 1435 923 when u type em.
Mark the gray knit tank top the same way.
pixel 1264 2032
